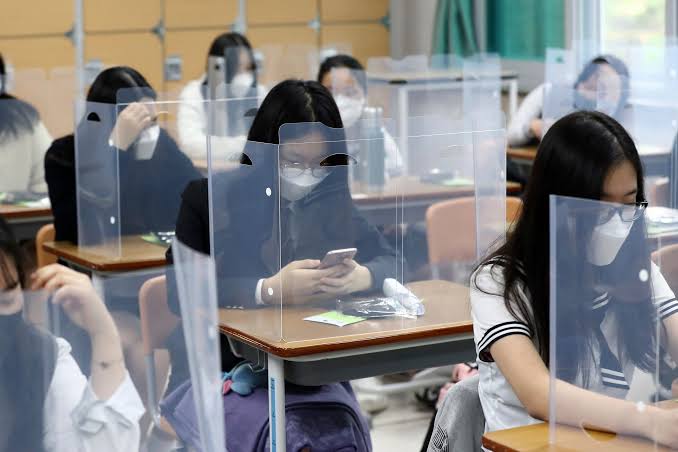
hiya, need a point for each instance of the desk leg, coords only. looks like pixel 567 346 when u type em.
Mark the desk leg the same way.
pixel 513 97
pixel 276 404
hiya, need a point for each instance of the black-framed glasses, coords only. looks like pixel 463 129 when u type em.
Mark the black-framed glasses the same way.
pixel 295 169
pixel 627 212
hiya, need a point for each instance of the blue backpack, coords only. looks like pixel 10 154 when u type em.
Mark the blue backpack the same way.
pixel 319 418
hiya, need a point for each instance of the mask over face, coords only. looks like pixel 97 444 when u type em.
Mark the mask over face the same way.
pixel 350 109
pixel 147 140
pixel 607 239
pixel 295 188
pixel 241 84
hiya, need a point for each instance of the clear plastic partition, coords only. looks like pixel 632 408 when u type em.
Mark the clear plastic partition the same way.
pixel 130 173
pixel 609 306
pixel 482 86
pixel 196 290
pixel 388 65
pixel 244 217
pixel 354 243
pixel 97 178
pixel 70 384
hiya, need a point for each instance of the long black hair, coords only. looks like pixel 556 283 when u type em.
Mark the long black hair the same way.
pixel 16 116
pixel 27 361
pixel 573 160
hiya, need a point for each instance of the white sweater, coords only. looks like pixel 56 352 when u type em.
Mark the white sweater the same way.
pixel 519 132
pixel 192 126
pixel 22 166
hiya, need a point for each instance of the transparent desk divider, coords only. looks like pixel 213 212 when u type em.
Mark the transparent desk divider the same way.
pixel 98 183
pixel 609 305
pixel 243 203
pixel 482 86
pixel 71 357
pixel 197 293
pixel 283 61
pixel 388 65
pixel 231 116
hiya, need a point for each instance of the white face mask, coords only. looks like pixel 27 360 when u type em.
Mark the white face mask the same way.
pixel 295 188
pixel 241 84
pixel 607 239
pixel 146 142
pixel 350 109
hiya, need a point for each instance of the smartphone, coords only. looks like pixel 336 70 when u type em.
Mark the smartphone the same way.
pixel 336 257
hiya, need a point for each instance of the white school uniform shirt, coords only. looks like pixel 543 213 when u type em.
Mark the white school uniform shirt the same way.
pixel 77 421
pixel 192 126
pixel 519 132
pixel 22 160
pixel 492 321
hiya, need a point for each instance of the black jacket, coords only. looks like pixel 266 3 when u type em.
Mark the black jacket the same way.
pixel 149 190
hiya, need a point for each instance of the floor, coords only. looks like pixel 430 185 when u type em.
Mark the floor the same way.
pixel 402 425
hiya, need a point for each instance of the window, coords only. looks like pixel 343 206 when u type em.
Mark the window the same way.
pixel 633 22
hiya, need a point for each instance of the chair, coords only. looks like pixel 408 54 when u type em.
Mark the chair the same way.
pixel 157 323
pixel 45 234
pixel 451 230
pixel 460 421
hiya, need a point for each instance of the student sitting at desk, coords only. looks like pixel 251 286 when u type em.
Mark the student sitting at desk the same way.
pixel 585 155
pixel 316 215
pixel 234 52
pixel 153 171
pixel 24 139
pixel 345 78
pixel 46 402
pixel 527 124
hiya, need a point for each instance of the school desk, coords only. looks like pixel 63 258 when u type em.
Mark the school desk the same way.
pixel 309 353
pixel 133 255
pixel 535 438
pixel 25 221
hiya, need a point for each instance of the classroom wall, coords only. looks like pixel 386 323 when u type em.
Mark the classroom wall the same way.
pixel 122 32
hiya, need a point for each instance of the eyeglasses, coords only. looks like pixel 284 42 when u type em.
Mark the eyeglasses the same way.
pixel 627 212
pixel 295 169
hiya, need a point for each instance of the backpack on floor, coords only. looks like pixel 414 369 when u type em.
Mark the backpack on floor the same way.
pixel 319 419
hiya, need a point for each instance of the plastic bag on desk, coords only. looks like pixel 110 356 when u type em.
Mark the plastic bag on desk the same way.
pixel 399 302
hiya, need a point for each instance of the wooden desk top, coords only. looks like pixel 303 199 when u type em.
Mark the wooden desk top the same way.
pixel 410 188
pixel 448 312
pixel 535 438
pixel 427 75
pixel 135 254
pixel 523 153
pixel 12 212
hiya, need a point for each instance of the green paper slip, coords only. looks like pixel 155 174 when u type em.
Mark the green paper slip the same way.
pixel 335 318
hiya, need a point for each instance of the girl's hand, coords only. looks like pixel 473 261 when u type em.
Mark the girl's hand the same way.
pixel 350 278
pixel 134 119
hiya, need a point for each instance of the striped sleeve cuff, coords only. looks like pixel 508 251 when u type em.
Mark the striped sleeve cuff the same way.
pixel 666 309
pixel 502 330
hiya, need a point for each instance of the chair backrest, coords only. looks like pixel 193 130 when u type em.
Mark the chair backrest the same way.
pixel 667 258
pixel 451 228
pixel 460 421
pixel 45 234
pixel 157 321
pixel 513 208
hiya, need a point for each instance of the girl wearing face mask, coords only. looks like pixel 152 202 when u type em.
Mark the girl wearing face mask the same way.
pixel 606 72
pixel 344 77
pixel 235 54
pixel 46 402
pixel 583 155
pixel 316 214
pixel 152 173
